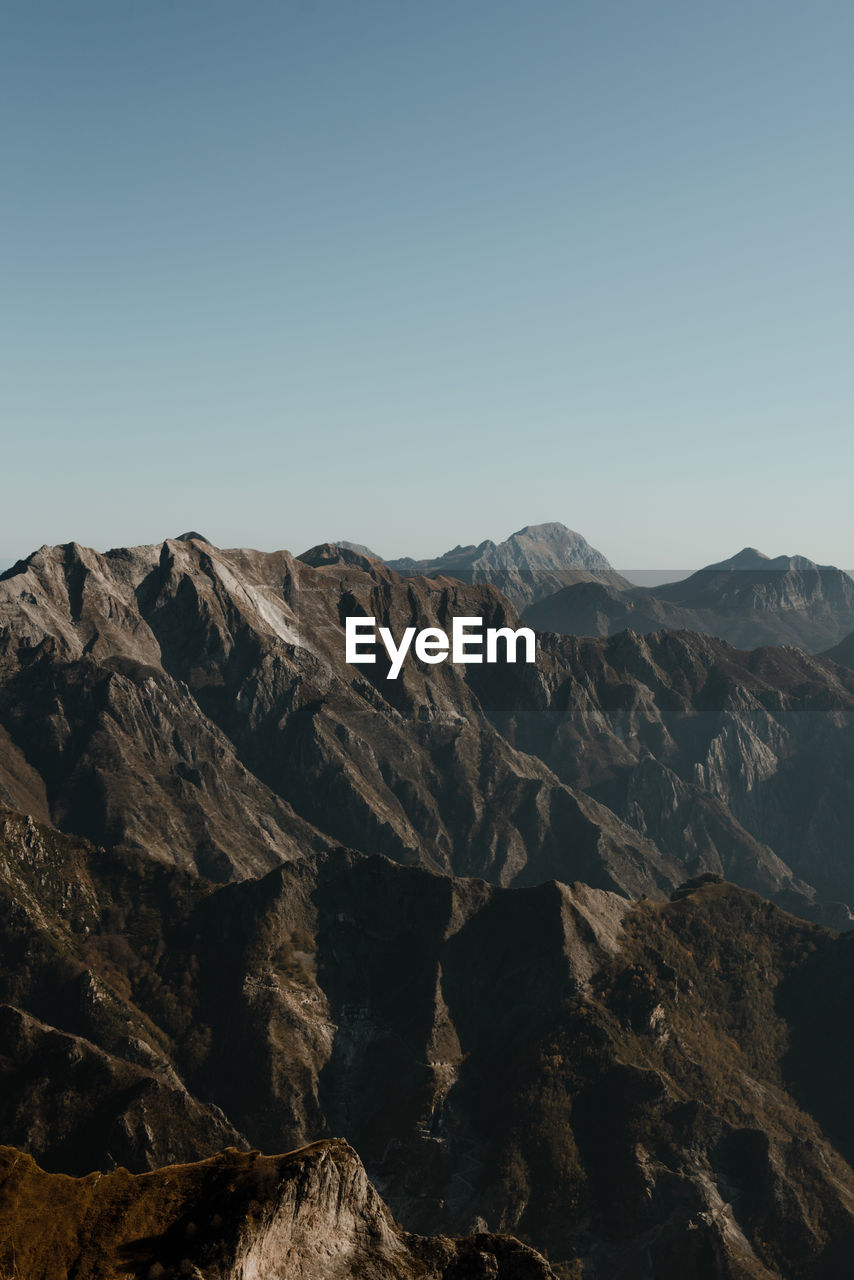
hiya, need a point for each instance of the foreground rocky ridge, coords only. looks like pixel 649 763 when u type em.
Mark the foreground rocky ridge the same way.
pixel 308 1215
pixel 657 1090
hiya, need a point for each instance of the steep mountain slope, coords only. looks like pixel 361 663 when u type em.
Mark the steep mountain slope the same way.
pixel 637 1090
pixel 122 751
pixel 749 600
pixel 741 760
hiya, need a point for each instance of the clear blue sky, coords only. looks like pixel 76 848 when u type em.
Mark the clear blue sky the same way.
pixel 415 273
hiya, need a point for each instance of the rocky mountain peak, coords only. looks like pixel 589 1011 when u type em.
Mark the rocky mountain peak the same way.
pixel 747 558
pixel 536 547
pixel 551 546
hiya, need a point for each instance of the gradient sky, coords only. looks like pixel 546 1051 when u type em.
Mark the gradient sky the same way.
pixel 419 273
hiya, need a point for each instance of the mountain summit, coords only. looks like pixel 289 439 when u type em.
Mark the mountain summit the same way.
pixel 532 563
pixel 751 559
pixel 536 547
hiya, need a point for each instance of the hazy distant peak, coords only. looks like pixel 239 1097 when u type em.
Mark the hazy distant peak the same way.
pixel 750 558
pixel 747 558
pixel 536 547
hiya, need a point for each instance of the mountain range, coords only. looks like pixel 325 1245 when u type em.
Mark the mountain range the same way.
pixel 750 600
pixel 473 921
pixel 563 585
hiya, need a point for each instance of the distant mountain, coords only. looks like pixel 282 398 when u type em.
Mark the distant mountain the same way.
pixel 749 600
pixel 750 559
pixel 533 562
pixel 537 546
